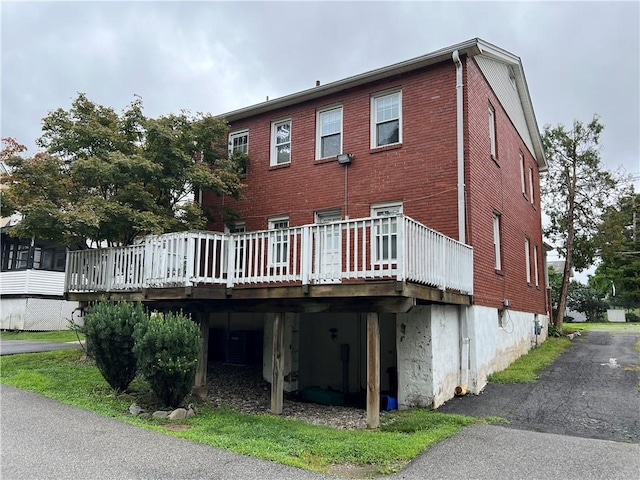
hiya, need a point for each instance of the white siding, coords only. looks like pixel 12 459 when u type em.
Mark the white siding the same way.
pixel 498 75
pixel 32 282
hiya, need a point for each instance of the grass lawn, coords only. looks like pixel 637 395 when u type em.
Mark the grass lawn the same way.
pixel 611 327
pixel 56 336
pixel 62 375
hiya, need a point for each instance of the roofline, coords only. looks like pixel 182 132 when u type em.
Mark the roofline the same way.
pixel 473 47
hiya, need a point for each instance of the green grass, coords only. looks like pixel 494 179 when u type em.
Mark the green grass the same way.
pixel 526 368
pixel 402 436
pixel 611 327
pixel 56 336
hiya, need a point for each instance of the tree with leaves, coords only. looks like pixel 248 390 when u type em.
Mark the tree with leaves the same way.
pixel 588 300
pixel 576 190
pixel 109 178
pixel 618 272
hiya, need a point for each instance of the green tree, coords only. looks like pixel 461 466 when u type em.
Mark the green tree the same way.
pixel 575 192
pixel 109 177
pixel 619 269
pixel 588 300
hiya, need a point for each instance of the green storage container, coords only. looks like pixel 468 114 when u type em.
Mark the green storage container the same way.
pixel 322 396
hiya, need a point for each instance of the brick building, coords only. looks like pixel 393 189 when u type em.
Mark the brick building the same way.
pixel 388 239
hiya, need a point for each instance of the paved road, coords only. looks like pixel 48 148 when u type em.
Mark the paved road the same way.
pixel 11 347
pixel 590 391
pixel 41 438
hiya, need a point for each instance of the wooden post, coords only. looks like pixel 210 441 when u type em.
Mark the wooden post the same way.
pixel 373 370
pixel 200 387
pixel 277 378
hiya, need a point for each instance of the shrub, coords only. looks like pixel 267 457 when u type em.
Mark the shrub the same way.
pixel 632 317
pixel 109 328
pixel 167 348
pixel 554 331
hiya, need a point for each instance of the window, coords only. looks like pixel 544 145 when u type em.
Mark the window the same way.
pixel 239 142
pixel 535 264
pixel 527 260
pixel 329 135
pixel 279 242
pixel 522 183
pixel 492 131
pixel 531 185
pixel 496 241
pixel 385 232
pixel 386 119
pixel 281 142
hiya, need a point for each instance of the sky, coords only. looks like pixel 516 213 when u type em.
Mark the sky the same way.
pixel 580 58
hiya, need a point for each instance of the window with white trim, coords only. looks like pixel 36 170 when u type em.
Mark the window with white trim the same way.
pixel 535 264
pixel 522 182
pixel 329 132
pixel 492 131
pixel 531 185
pixel 237 227
pixel 527 259
pixel 496 242
pixel 239 142
pixel 386 119
pixel 385 232
pixel 279 242
pixel 281 142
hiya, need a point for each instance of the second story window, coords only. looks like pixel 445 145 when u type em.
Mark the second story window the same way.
pixel 531 185
pixel 329 136
pixel 524 191
pixel 386 119
pixel 239 149
pixel 281 142
pixel 527 260
pixel 239 142
pixel 492 131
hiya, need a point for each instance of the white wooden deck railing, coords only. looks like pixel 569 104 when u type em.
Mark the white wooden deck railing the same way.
pixel 394 247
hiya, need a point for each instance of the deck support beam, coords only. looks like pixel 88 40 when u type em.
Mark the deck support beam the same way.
pixel 277 365
pixel 373 370
pixel 200 386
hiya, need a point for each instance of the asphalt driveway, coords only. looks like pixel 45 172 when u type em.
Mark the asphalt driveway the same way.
pixel 11 347
pixel 590 391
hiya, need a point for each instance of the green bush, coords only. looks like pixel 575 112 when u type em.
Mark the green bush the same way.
pixel 632 317
pixel 167 348
pixel 108 328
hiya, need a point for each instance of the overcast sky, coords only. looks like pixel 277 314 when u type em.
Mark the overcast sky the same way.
pixel 580 58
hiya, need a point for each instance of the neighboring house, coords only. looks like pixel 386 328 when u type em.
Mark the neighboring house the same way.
pixel 31 280
pixel 32 285
pixel 389 237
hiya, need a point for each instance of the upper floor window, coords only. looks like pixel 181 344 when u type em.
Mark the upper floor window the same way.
pixel 492 131
pixel 531 185
pixel 281 142
pixel 522 183
pixel 496 242
pixel 385 232
pixel 329 135
pixel 386 119
pixel 239 142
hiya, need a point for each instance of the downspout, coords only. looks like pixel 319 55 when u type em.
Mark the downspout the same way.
pixel 465 346
pixel 460 140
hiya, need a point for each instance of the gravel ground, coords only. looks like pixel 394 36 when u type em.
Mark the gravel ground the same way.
pixel 244 388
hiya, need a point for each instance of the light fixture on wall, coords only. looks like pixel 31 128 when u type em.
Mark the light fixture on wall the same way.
pixel 345 158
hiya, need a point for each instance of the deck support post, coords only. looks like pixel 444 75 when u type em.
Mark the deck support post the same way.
pixel 373 370
pixel 200 386
pixel 277 365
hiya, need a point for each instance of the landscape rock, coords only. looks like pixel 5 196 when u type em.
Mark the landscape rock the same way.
pixel 178 414
pixel 160 414
pixel 135 409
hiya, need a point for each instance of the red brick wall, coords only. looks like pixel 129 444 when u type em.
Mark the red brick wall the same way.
pixel 421 173
pixel 496 186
